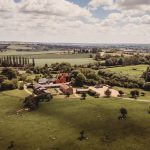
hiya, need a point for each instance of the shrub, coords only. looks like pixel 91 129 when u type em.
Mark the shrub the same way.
pixel 134 93
pixel 121 93
pixel 2 78
pixel 91 93
pixel 123 112
pixel 147 86
pixel 80 80
pixel 91 82
pixel 8 85
pixel 21 86
pixel 10 73
pixel 108 93
pixel 83 96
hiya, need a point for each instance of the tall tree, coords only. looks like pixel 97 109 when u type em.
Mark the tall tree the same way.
pixel 20 64
pixel 33 62
pixel 23 61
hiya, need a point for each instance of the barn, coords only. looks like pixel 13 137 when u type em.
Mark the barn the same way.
pixel 66 89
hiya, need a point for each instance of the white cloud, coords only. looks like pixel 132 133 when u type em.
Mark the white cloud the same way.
pixel 53 7
pixel 134 4
pixel 63 21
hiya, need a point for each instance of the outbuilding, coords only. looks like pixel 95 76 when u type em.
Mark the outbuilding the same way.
pixel 81 91
pixel 43 81
pixel 66 89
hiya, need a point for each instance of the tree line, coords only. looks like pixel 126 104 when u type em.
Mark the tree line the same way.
pixel 15 61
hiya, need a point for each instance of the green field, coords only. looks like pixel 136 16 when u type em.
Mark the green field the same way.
pixel 57 56
pixel 53 54
pixel 136 70
pixel 44 57
pixel 56 125
pixel 127 93
pixel 14 52
pixel 78 61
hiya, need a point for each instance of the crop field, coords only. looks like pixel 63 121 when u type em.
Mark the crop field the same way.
pixel 57 124
pixel 136 70
pixel 80 61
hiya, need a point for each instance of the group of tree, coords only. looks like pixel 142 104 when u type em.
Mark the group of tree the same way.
pixel 120 80
pixel 147 75
pixel 62 67
pixel 16 61
pixel 109 60
pixel 135 93
pixel 84 76
pixel 45 71
pixel 8 79
pixel 31 102
pixel 126 61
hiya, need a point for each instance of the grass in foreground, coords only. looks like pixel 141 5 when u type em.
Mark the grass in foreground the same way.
pixel 56 125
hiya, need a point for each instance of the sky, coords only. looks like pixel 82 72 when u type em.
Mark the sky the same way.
pixel 75 21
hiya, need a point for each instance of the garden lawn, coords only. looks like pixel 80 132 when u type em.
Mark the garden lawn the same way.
pixel 57 124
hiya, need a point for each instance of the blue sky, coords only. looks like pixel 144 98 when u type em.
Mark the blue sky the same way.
pixel 17 1
pixel 82 3
pixel 75 21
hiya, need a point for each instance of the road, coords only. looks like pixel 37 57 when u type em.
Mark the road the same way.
pixel 26 90
pixel 77 96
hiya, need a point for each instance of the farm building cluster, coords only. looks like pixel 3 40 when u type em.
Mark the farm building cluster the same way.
pixel 63 86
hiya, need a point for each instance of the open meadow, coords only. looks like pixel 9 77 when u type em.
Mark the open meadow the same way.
pixel 57 124
pixel 50 57
pixel 52 54
pixel 77 61
pixel 134 70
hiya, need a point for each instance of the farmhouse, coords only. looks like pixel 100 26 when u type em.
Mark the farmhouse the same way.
pixel 63 78
pixel 52 85
pixel 66 89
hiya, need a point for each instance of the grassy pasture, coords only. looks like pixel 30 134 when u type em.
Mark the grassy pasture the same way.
pixel 58 56
pixel 136 70
pixel 56 125
pixel 127 92
pixel 44 54
pixel 43 57
pixel 14 52
pixel 78 61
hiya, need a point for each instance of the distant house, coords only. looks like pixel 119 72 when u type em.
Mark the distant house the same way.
pixel 36 86
pixel 43 81
pixel 63 78
pixel 66 89
pixel 39 89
